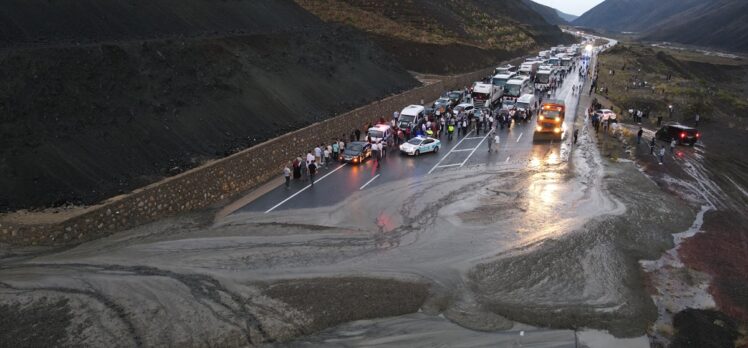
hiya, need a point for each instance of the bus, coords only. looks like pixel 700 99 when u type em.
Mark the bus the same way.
pixel 516 87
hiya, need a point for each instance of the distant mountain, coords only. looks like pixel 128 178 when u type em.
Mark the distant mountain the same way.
pixel 565 16
pixel 634 15
pixel 721 24
pixel 550 14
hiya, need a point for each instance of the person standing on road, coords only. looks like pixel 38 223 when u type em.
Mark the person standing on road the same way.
pixel 374 152
pixel 659 120
pixel 696 118
pixel 317 155
pixel 662 154
pixel 496 141
pixel 576 134
pixel 297 168
pixel 326 154
pixel 287 175
pixel 639 135
pixel 305 170
pixel 490 144
pixel 312 172
pixel 459 127
pixel 336 150
pixel 652 144
pixel 672 146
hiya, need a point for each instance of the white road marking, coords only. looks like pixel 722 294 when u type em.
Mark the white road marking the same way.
pixel 369 182
pixel 304 189
pixel 445 156
pixel 507 159
pixel 464 150
pixel 449 165
pixel 520 136
pixel 476 148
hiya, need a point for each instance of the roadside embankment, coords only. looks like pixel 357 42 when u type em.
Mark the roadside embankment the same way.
pixel 206 185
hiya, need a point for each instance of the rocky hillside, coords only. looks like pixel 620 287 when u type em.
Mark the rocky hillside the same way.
pixel 710 23
pixel 437 36
pixel 159 86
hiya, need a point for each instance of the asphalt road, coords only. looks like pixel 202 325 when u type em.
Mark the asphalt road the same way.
pixel 338 181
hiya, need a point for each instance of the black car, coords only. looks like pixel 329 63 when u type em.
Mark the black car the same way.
pixel 356 152
pixel 682 134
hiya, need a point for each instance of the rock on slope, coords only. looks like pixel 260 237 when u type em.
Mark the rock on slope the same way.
pixel 173 85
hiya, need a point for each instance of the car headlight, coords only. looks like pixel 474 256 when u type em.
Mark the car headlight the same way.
pixel 557 130
pixel 538 128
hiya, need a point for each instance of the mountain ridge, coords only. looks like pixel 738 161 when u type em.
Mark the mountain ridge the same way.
pixel 721 24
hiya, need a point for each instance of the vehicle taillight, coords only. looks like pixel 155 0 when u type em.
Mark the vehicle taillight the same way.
pixel 683 135
pixel 698 135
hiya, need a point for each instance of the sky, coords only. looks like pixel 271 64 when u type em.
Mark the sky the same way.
pixel 575 7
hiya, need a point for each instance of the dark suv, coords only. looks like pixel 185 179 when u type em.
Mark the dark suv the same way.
pixel 682 134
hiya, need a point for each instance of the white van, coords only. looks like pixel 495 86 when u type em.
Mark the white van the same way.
pixel 381 133
pixel 410 115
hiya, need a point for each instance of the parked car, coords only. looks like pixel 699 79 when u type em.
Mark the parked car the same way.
pixel 682 134
pixel 356 152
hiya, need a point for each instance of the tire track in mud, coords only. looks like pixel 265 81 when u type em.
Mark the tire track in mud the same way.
pixel 115 308
pixel 205 289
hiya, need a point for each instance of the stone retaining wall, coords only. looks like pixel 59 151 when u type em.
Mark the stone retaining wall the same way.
pixel 221 179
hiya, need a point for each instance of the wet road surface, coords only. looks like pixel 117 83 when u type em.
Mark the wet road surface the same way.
pixel 516 149
pixel 500 238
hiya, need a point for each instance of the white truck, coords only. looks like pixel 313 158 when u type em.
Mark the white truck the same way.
pixel 507 69
pixel 529 69
pixel 486 94
pixel 501 79
pixel 544 77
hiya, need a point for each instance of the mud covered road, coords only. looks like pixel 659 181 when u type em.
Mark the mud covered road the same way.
pixel 462 254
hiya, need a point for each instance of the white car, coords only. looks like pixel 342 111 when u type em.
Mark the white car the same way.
pixel 419 145
pixel 467 108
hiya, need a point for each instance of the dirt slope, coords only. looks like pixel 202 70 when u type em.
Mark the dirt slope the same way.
pixel 454 36
pixel 84 123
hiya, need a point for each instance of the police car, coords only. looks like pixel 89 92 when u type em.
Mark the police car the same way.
pixel 419 145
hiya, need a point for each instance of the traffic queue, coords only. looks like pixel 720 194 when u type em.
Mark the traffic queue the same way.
pixel 510 96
